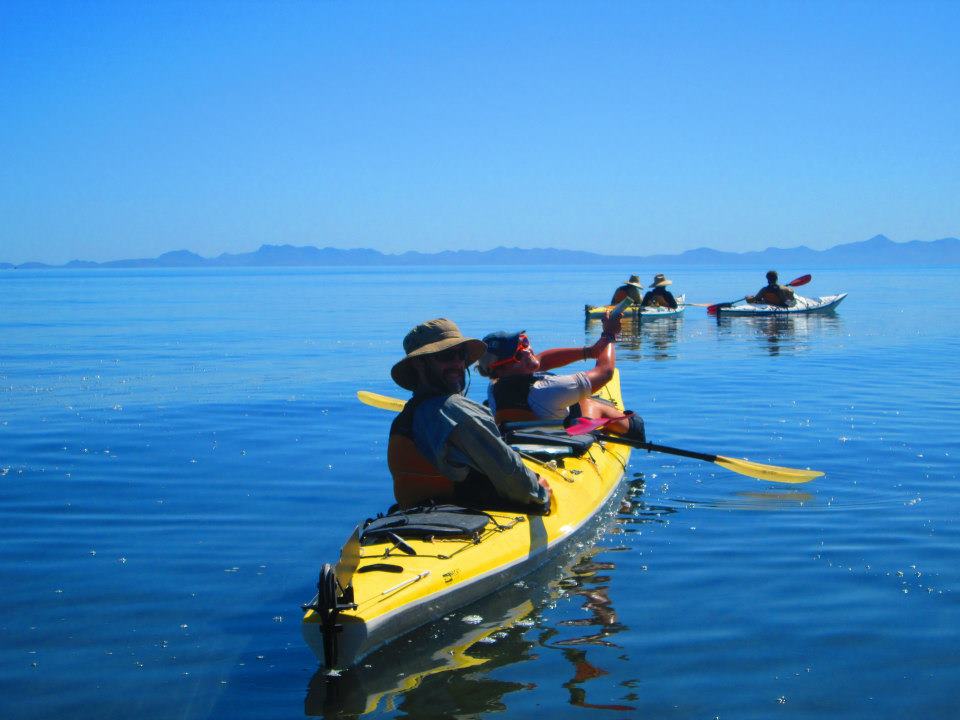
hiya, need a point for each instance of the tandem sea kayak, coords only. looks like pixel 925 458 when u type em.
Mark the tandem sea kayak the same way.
pixel 403 570
pixel 645 313
pixel 804 306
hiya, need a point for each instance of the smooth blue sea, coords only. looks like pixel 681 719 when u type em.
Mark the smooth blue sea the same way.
pixel 180 450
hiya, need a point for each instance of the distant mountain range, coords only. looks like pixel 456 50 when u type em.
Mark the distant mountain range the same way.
pixel 878 250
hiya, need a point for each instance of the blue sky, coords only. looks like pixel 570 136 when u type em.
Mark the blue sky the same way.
pixel 131 129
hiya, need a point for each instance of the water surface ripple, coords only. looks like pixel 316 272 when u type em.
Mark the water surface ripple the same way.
pixel 181 449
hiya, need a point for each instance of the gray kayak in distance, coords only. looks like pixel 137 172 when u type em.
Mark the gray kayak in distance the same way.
pixel 804 306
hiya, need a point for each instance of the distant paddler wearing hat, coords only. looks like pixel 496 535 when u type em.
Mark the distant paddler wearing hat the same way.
pixel 630 290
pixel 658 295
pixel 443 446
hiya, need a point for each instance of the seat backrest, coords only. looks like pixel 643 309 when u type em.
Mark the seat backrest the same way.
pixel 513 415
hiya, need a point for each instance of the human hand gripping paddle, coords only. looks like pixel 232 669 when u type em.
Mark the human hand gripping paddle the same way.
pixel 618 309
pixel 802 280
pixel 773 473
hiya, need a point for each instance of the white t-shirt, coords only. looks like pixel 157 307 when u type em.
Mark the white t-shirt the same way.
pixel 551 396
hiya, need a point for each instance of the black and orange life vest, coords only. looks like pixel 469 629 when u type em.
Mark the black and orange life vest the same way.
pixel 775 295
pixel 416 480
pixel 511 398
pixel 623 292
pixel 660 297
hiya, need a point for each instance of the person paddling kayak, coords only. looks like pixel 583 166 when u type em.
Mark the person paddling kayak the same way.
pixel 445 447
pixel 658 295
pixel 521 388
pixel 630 290
pixel 773 293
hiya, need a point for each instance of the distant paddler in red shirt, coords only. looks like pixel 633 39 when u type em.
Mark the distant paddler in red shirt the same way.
pixel 630 290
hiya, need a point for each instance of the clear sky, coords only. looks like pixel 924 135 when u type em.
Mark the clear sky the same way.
pixel 128 129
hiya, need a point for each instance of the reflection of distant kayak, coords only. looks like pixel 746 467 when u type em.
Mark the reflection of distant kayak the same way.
pixel 804 306
pixel 647 313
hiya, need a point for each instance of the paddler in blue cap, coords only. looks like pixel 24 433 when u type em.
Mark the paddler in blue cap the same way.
pixel 445 447
pixel 521 388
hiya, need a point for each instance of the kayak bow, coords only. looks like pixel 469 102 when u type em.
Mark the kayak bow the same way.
pixel 385 586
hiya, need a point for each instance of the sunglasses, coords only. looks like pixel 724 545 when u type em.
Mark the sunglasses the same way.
pixel 523 344
pixel 451 354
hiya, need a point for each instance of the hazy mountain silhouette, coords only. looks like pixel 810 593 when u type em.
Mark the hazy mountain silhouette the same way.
pixel 878 250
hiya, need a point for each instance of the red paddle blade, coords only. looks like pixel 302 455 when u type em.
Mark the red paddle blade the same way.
pixel 586 425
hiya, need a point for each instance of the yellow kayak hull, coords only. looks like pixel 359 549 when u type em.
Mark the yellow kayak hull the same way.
pixel 394 592
pixel 632 311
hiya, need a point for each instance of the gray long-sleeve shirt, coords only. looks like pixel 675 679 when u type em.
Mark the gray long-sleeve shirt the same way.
pixel 457 434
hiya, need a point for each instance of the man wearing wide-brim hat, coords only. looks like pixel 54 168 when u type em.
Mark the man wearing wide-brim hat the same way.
pixel 445 447
pixel 631 289
pixel 658 295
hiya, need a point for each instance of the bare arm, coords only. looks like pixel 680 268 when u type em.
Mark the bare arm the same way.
pixel 558 357
pixel 602 372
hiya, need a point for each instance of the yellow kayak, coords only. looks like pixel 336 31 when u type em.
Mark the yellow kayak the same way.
pixel 396 573
pixel 644 313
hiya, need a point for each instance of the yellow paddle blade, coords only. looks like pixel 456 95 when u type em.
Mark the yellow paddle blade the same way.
pixel 380 401
pixel 774 473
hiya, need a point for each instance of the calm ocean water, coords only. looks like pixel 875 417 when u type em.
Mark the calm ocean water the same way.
pixel 180 450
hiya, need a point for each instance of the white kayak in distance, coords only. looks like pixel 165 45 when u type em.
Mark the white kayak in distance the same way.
pixel 652 312
pixel 803 306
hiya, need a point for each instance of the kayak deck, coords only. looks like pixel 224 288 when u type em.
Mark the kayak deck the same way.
pixel 386 588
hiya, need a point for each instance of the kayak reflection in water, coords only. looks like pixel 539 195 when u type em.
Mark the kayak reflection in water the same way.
pixel 521 388
pixel 773 293
pixel 630 290
pixel 443 446
pixel 658 295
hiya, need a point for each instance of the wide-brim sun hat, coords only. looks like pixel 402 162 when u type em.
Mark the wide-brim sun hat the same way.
pixel 634 280
pixel 661 280
pixel 431 337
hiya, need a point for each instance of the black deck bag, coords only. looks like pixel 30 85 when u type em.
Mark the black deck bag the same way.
pixel 578 444
pixel 446 521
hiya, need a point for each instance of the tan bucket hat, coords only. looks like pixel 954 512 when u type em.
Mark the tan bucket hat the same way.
pixel 428 338
pixel 661 280
pixel 634 280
